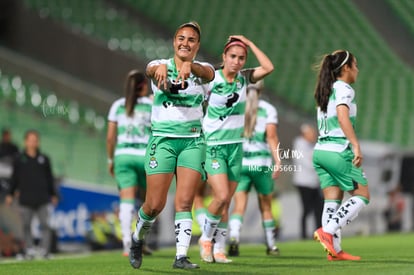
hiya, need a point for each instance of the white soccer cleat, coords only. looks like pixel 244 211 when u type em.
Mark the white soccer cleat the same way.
pixel 206 251
pixel 221 258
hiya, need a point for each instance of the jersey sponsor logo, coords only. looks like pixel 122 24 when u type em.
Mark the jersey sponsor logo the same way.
pixel 168 104
pixel 231 99
pixel 176 86
pixel 153 163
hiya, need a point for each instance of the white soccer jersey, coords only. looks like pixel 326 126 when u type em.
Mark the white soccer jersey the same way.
pixel 256 150
pixel 224 119
pixel 133 132
pixel 178 112
pixel 331 136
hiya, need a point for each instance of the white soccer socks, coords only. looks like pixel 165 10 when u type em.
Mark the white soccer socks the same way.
pixel 345 214
pixel 183 224
pixel 126 210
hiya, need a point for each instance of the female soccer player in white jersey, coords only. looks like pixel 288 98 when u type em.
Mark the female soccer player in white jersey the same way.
pixel 176 145
pixel 260 168
pixel 223 127
pixel 127 137
pixel 337 156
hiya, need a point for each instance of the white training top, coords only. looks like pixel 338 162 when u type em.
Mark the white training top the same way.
pixel 256 150
pixel 133 132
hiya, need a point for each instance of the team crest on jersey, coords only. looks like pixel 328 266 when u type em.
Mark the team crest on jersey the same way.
pixel 215 164
pixel 153 163
pixel 238 84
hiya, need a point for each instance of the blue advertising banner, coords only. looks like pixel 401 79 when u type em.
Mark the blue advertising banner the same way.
pixel 77 202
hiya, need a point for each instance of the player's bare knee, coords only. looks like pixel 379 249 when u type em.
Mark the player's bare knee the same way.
pixel 362 191
pixel 183 206
pixel 153 210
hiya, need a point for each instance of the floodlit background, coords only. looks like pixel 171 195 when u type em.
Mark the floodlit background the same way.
pixel 63 62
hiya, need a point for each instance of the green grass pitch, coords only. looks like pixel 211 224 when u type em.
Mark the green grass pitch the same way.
pixel 385 254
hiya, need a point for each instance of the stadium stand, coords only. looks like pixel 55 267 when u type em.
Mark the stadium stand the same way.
pixel 405 9
pixel 71 133
pixel 293 33
pixel 97 19
pixel 319 27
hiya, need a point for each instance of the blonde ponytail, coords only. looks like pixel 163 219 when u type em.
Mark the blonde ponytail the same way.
pixel 252 104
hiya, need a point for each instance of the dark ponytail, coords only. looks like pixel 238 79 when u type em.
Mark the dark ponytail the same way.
pixel 134 84
pixel 330 68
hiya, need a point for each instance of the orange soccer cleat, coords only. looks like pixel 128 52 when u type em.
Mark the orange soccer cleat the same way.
pixel 343 256
pixel 326 241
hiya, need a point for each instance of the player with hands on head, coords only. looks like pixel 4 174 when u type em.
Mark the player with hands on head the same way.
pixel 223 126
